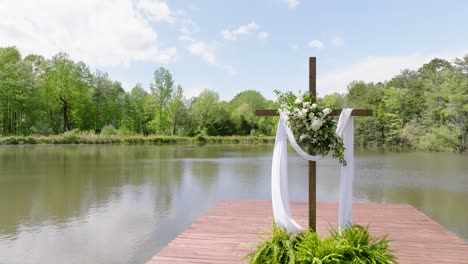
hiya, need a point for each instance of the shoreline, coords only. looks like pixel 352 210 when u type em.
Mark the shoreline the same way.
pixel 132 139
pixel 81 138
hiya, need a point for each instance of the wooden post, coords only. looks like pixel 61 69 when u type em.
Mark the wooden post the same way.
pixel 312 164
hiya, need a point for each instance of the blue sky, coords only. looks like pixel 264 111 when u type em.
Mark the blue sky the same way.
pixel 231 46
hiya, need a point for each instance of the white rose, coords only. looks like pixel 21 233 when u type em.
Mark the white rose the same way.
pixel 306 104
pixel 316 124
pixel 314 106
pixel 302 113
pixel 311 116
pixel 326 111
pixel 298 100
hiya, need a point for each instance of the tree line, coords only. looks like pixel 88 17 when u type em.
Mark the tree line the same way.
pixel 51 96
pixel 425 109
pixel 422 109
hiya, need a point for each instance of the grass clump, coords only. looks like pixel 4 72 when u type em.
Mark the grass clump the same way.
pixel 354 245
pixel 71 137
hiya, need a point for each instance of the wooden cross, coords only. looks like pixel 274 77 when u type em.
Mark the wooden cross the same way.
pixel 312 164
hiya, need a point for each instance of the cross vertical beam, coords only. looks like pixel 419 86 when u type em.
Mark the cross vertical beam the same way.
pixel 312 164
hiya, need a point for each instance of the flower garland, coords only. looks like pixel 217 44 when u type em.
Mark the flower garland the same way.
pixel 312 125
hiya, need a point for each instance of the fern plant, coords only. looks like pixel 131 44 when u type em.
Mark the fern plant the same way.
pixel 354 245
pixel 279 248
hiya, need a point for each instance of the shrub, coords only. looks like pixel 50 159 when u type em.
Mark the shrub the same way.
pixel 441 139
pixel 354 245
pixel 108 130
pixel 200 139
pixel 30 140
pixel 123 131
pixel 71 136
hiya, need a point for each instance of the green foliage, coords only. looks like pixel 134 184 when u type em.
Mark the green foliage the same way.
pixel 89 137
pixel 313 126
pixel 439 139
pixel 425 109
pixel 162 89
pixel 354 245
pixel 279 248
pixel 200 139
pixel 108 130
pixel 123 131
pixel 72 136
pixel 334 100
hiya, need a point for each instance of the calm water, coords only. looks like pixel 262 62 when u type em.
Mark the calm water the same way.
pixel 120 204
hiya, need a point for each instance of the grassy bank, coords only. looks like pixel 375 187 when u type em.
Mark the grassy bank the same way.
pixel 89 138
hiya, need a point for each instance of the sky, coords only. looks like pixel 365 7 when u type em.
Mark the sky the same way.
pixel 234 45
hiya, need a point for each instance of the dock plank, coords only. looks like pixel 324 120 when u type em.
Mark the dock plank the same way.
pixel 229 230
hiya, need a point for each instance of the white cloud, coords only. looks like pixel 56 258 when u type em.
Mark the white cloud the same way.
pixel 337 41
pixel 231 34
pixel 294 46
pixel 377 69
pixel 263 35
pixel 203 50
pixel 100 33
pixel 291 3
pixel 156 10
pixel 316 44
pixel 186 38
pixel 188 26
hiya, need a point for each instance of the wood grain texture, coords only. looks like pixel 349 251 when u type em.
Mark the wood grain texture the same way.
pixel 226 232
pixel 312 164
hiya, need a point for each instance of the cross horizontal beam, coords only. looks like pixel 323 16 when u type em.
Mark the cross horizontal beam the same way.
pixel 335 112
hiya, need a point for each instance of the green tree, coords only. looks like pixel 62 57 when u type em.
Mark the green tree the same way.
pixel 162 89
pixel 369 130
pixel 390 113
pixel 204 109
pixel 178 111
pixel 114 106
pixel 68 83
pixel 334 100
pixel 458 102
pixel 242 108
pixel 101 84
pixel 136 110
pixel 16 88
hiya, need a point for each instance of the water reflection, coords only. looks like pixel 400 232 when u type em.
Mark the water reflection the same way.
pixel 88 237
pixel 120 204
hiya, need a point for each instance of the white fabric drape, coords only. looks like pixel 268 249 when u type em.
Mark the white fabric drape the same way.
pixel 279 172
pixel 345 129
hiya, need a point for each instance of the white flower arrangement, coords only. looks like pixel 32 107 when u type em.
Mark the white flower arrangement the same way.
pixel 312 124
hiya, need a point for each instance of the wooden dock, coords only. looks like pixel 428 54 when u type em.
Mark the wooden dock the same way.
pixel 226 232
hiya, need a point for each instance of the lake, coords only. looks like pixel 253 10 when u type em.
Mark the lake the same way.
pixel 122 203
